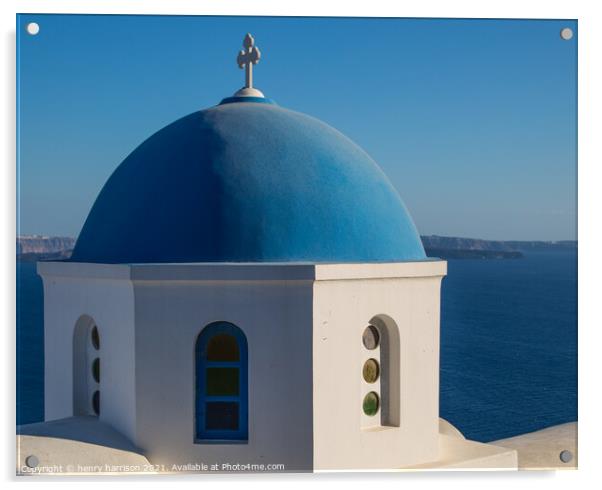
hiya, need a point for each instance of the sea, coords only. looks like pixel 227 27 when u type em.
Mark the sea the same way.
pixel 508 344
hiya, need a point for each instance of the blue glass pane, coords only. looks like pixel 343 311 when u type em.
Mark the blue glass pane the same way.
pixel 221 416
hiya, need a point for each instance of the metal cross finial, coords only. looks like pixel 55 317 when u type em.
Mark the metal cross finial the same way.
pixel 247 58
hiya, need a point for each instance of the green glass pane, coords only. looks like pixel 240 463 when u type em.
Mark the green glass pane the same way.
pixel 222 381
pixel 371 370
pixel 371 403
pixel 222 347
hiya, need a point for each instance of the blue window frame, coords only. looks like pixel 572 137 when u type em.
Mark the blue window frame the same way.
pixel 221 383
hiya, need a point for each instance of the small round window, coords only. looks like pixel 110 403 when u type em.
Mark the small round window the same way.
pixel 95 338
pixel 371 337
pixel 96 402
pixel 371 403
pixel 371 370
pixel 96 370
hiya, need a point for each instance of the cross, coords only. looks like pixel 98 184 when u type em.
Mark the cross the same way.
pixel 247 58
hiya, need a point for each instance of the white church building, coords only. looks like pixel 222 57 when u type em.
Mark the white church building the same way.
pixel 248 289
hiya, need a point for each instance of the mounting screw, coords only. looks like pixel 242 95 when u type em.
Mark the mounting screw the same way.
pixel 566 456
pixel 566 33
pixel 32 28
pixel 32 461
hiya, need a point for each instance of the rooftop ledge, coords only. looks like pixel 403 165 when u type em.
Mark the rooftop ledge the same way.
pixel 265 271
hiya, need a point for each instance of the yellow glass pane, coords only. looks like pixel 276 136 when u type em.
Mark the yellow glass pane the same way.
pixel 371 370
pixel 222 347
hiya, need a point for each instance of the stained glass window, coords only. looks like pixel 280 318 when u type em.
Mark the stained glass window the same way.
pixel 222 347
pixel 371 403
pixel 96 370
pixel 96 402
pixel 371 371
pixel 371 337
pixel 221 383
pixel 222 415
pixel 95 338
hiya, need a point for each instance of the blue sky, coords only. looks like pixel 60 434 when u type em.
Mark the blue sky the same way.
pixel 474 121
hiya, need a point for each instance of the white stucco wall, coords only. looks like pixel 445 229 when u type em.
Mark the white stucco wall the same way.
pixel 304 327
pixel 275 316
pixel 346 298
pixel 103 293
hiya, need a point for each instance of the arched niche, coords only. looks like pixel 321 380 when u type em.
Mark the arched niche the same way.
pixel 390 345
pixel 86 367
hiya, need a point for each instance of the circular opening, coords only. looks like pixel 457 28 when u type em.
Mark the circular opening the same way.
pixel 371 337
pixel 96 370
pixel 371 370
pixel 32 28
pixel 95 338
pixel 566 33
pixel 96 402
pixel 371 403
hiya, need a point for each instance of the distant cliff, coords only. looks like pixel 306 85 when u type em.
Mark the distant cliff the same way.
pixel 474 248
pixel 455 243
pixel 43 244
pixel 447 253
pixel 38 247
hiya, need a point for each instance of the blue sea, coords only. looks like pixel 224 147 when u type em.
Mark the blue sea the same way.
pixel 508 344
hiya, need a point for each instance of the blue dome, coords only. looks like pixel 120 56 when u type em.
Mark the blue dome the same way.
pixel 248 181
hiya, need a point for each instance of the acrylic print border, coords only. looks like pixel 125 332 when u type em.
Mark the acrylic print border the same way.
pixel 589 232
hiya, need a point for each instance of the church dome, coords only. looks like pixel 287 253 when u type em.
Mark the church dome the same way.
pixel 248 181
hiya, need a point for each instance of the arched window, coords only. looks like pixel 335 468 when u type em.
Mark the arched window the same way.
pixel 381 373
pixel 86 367
pixel 221 383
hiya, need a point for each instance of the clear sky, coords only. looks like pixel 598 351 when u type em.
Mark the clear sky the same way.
pixel 474 121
